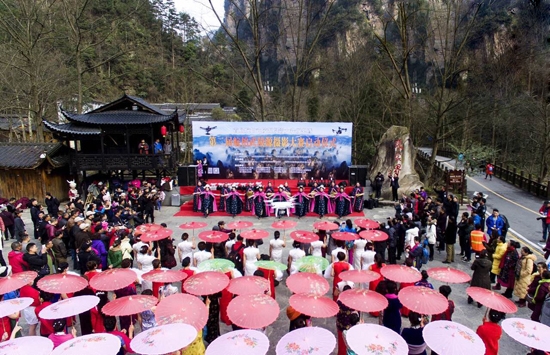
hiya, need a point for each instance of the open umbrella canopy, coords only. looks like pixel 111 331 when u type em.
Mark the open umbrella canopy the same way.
pixel 248 285
pixel 100 343
pixel 8 307
pixel 270 265
pixel 530 333
pixel 448 275
pixel 314 305
pixel 401 273
pixel 62 283
pixel 373 235
pixel 375 339
pixel 307 282
pixel 308 340
pixel 206 283
pixel 253 311
pixel 346 236
pixel 239 342
pixel 423 300
pixel 451 338
pixel 34 345
pixel 156 235
pixel 359 275
pixel 16 281
pixel 163 339
pixel 491 299
pixel 193 225
pixel 69 307
pixel 218 264
pixel 363 300
pixel 164 276
pixel 213 236
pixel 148 227
pixel 367 223
pixel 312 264
pixel 255 234
pixel 182 308
pixel 325 225
pixel 284 224
pixel 129 305
pixel 114 279
pixel 304 236
pixel 239 225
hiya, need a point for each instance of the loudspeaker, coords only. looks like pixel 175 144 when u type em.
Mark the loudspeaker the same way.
pixel 187 176
pixel 357 174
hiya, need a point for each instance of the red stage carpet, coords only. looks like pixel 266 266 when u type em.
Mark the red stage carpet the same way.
pixel 188 190
pixel 186 210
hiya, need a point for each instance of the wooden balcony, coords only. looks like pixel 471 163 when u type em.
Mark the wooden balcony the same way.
pixel 109 162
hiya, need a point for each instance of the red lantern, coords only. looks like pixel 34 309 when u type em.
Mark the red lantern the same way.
pixel 163 131
pixel 182 128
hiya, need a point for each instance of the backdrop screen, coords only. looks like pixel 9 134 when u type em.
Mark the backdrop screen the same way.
pixel 273 150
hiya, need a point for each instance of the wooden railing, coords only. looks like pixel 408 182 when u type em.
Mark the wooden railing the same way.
pixel 443 176
pixel 523 181
pixel 79 162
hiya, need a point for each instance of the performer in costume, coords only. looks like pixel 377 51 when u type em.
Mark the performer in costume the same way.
pixel 357 201
pixel 196 196
pixel 321 203
pixel 333 190
pixel 259 198
pixel 301 199
pixel 269 191
pixel 234 202
pixel 223 193
pixel 73 192
pixel 287 188
pixel 249 205
pixel 342 203
pixel 280 196
pixel 207 202
pixel 314 189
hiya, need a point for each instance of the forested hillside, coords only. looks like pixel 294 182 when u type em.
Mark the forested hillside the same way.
pixel 468 76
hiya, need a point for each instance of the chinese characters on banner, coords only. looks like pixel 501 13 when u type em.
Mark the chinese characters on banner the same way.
pixel 398 157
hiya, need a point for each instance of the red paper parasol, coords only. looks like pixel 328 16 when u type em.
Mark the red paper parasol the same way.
pixel 285 224
pixel 491 299
pixel 253 311
pixel 401 273
pixel 156 235
pixel 423 300
pixel 359 275
pixel 326 226
pixel 367 223
pixel 164 276
pixel 62 283
pixel 346 236
pixel 182 308
pixel 148 227
pixel 128 305
pixel 254 234
pixel 304 236
pixel 307 282
pixel 363 300
pixel 213 236
pixel 248 285
pixel 193 225
pixel 314 306
pixel 114 279
pixel 239 225
pixel 373 235
pixel 448 275
pixel 16 281
pixel 206 283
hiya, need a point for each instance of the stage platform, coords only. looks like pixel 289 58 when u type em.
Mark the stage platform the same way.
pixel 214 183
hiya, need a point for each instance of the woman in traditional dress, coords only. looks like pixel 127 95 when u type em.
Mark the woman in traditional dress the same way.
pixel 249 206
pixel 197 196
pixel 213 323
pixel 280 196
pixel 276 246
pixel 293 256
pixel 251 254
pixel 341 203
pixel 260 209
pixel 234 202
pixel 208 202
pixel 223 196
pixel 357 198
pixel 343 322
pixel 321 203
pixel 301 200
pixel 337 268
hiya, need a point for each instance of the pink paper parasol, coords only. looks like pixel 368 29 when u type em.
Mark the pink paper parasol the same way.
pixel 34 345
pixel 373 235
pixel 363 300
pixel 69 307
pixel 284 224
pixel 148 227
pixel 163 339
pixel 129 305
pixel 62 283
pixel 423 300
pixel 359 275
pixel 307 282
pixel 213 236
pixel 491 299
pixel 304 236
pixel 451 338
pixel 448 275
pixel 530 333
pixel 114 279
pixel 182 308
pixel 206 283
pixel 193 225
pixel 164 276
pixel 255 234
pixel 346 236
pixel 239 225
pixel 314 306
pixel 101 343
pixel 376 339
pixel 367 223
pixel 253 311
pixel 239 342
pixel 248 285
pixel 14 305
pixel 401 273
pixel 16 281
pixel 308 340
pixel 326 226
pixel 156 235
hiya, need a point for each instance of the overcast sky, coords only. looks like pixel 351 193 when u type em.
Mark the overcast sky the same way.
pixel 201 11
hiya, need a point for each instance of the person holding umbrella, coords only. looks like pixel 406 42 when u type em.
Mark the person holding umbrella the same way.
pixel 482 274
pixel 392 317
pixel 59 336
pixel 490 331
pixel 413 335
pixel 337 268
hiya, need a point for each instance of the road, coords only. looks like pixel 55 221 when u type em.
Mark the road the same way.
pixel 520 207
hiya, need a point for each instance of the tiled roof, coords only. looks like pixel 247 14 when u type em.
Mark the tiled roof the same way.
pixel 29 155
pixel 118 117
pixel 72 128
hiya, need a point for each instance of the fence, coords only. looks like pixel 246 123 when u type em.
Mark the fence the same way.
pixel 441 175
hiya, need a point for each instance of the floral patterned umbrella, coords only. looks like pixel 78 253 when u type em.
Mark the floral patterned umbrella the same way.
pixel 451 338
pixel 156 235
pixel 367 223
pixel 239 225
pixel 69 307
pixel 148 227
pixel 304 236
pixel 308 340
pixel 284 224
pixel 113 279
pixel 246 341
pixel 253 311
pixel 34 345
pixel 128 305
pixel 325 225
pixel 423 300
pixel 346 236
pixel 363 300
pixel 255 234
pixel 221 265
pixel 100 343
pixel 163 339
pixel 213 236
pixel 182 308
pixel 533 334
pixel 16 281
pixel 193 225
pixel 14 305
pixel 164 276
pixel 312 263
pixel 359 275
pixel 375 339
pixel 270 265
pixel 314 305
pixel 400 273
pixel 206 283
pixel 491 299
pixel 448 275
pixel 373 235
pixel 248 285
pixel 62 283
pixel 306 282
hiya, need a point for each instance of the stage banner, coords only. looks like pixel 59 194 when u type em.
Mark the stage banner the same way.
pixel 273 150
